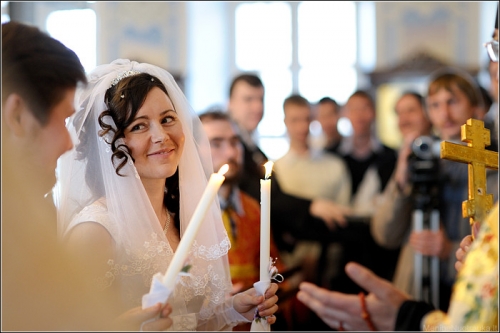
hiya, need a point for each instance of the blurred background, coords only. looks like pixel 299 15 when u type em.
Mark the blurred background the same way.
pixel 316 49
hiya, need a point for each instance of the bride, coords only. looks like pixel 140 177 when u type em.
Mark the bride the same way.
pixel 126 194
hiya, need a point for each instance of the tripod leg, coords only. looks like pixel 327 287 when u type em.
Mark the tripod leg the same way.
pixel 418 224
pixel 435 262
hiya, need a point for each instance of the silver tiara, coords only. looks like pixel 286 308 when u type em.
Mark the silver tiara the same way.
pixel 122 76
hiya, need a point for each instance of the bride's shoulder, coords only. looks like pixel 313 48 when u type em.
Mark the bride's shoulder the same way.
pixel 98 208
pixel 95 212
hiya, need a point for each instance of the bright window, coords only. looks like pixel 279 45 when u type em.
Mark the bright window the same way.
pixel 5 13
pixel 327 33
pixel 322 62
pixel 264 45
pixel 76 29
pixel 327 50
pixel 263 36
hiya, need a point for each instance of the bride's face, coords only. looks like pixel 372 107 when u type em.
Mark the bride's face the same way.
pixel 155 137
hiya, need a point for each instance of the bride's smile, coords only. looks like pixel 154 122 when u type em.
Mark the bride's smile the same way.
pixel 155 137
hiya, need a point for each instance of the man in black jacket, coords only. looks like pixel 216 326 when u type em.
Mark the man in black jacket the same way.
pixel 292 218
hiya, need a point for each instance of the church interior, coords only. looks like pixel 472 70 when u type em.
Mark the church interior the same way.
pixel 384 47
pixel 316 50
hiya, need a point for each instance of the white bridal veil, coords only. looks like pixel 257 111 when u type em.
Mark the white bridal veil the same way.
pixel 124 208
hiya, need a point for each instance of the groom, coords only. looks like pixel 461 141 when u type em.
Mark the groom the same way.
pixel 42 288
pixel 39 79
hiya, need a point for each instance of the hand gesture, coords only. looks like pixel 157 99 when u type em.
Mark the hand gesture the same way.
pixel 401 171
pixel 343 311
pixel 431 243
pixel 330 212
pixel 462 251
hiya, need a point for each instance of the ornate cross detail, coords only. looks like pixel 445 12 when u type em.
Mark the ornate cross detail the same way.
pixel 477 137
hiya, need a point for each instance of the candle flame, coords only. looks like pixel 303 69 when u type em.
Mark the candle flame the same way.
pixel 223 169
pixel 269 168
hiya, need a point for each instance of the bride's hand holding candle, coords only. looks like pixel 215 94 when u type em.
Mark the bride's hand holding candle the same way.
pixel 180 255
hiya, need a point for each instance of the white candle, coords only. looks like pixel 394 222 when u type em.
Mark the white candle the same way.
pixel 187 239
pixel 265 222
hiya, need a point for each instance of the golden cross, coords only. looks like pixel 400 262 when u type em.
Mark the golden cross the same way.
pixel 477 137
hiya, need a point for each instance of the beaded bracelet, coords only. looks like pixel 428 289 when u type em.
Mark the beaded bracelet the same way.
pixel 364 314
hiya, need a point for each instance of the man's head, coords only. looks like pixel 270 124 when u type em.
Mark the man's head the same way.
pixel 246 101
pixel 39 79
pixel 412 117
pixel 327 114
pixel 225 143
pixel 297 118
pixel 360 110
pixel 452 98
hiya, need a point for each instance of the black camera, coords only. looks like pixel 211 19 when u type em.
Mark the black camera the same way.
pixel 426 147
pixel 424 159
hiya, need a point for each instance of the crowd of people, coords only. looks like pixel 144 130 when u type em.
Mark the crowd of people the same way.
pixel 81 246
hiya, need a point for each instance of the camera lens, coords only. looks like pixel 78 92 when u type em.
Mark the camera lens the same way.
pixel 425 147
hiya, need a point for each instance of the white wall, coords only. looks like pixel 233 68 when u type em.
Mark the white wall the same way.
pixel 153 32
pixel 448 30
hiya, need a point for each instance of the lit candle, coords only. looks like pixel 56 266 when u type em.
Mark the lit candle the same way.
pixel 265 222
pixel 187 239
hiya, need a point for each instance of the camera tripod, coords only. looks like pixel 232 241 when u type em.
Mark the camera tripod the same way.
pixel 426 268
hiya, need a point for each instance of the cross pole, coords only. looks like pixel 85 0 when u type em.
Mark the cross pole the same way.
pixel 477 137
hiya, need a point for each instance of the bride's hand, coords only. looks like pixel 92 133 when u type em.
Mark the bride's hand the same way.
pixel 154 318
pixel 245 303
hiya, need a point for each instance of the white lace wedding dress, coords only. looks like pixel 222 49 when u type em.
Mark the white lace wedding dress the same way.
pixel 133 271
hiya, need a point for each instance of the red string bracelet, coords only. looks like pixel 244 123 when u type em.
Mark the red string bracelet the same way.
pixel 341 327
pixel 364 312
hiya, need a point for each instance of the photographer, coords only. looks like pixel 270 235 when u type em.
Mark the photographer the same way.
pixel 413 123
pixel 452 98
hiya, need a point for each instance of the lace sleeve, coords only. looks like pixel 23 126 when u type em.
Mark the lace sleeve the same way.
pixel 224 319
